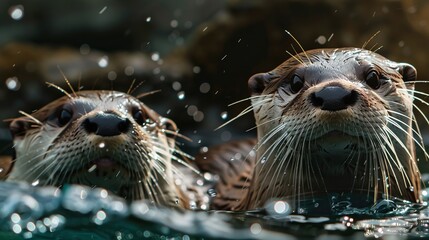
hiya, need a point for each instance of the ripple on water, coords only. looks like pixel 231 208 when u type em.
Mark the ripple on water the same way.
pixel 82 212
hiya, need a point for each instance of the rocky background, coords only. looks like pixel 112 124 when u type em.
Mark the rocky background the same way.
pixel 199 53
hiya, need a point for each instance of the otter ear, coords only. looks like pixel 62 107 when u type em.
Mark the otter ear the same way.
pixel 258 82
pixel 409 74
pixel 19 126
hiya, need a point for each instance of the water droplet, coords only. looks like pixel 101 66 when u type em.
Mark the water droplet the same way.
pixel 281 207
pixel 83 194
pixel 102 145
pixel 192 110
pixel 263 160
pixel 13 83
pixel 155 56
pixel 1 169
pixel 196 69
pixel 146 234
pixel 156 71
pixel 321 40
pixel 186 237
pixel 16 228
pixel 148 19
pixel 208 176
pixel 176 86
pixel 224 115
pixel 223 58
pixel 178 182
pixel 204 87
pixel 200 182
pixel 99 218
pixel 255 228
pixel 16 12
pixel 181 95
pixel 174 23
pixel 102 10
pixel 411 188
pixel 112 75
pixel 103 62
pixel 129 70
pixel 205 29
pixel 31 226
pixel 103 193
pixel 198 116
pixel 204 149
pixel 15 218
pixel 35 183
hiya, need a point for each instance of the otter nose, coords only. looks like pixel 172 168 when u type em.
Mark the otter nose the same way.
pixel 334 98
pixel 106 124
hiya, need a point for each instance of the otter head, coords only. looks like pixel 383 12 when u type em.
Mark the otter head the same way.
pixel 334 120
pixel 105 139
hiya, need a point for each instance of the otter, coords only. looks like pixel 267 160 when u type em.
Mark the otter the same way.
pixel 328 120
pixel 105 139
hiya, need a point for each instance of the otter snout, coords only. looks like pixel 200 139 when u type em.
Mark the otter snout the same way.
pixel 106 124
pixel 333 98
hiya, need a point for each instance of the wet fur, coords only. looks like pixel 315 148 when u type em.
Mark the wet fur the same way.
pixel 303 151
pixel 49 154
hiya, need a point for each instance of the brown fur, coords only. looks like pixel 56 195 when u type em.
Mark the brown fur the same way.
pixel 52 152
pixel 304 150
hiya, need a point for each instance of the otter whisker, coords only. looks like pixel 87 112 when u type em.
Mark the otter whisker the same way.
pixel 67 81
pixel 249 98
pixel 395 123
pixel 370 39
pixel 33 119
pixel 266 122
pixel 419 141
pixel 245 111
pixel 300 46
pixel 142 95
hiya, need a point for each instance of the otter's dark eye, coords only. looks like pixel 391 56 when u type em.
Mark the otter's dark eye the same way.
pixel 141 117
pixel 64 117
pixel 373 79
pixel 296 84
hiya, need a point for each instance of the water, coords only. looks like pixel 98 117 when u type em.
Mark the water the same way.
pixel 77 212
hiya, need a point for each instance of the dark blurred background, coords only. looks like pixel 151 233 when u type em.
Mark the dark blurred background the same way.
pixel 199 53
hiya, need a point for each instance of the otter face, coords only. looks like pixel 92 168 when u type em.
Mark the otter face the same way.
pixel 98 138
pixel 335 120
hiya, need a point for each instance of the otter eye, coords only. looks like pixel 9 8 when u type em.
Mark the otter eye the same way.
pixel 296 84
pixel 64 117
pixel 373 79
pixel 139 116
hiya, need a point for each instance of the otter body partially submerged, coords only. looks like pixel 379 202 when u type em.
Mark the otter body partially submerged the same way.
pixel 101 139
pixel 330 120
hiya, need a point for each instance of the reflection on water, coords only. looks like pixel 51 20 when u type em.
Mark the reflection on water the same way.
pixel 78 212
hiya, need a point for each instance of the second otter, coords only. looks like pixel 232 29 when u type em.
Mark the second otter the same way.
pixel 102 139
